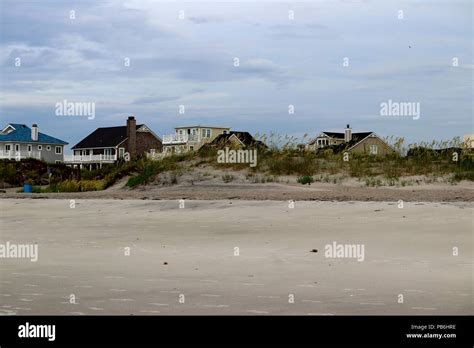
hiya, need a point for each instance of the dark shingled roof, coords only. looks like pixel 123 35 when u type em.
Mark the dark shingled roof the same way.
pixel 356 137
pixel 335 135
pixel 245 137
pixel 104 137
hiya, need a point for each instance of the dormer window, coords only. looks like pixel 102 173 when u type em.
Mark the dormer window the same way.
pixel 8 129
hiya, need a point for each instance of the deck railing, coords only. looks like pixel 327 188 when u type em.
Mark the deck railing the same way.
pixel 179 138
pixel 17 155
pixel 89 158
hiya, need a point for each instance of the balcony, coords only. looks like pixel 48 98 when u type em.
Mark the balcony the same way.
pixel 90 158
pixel 14 155
pixel 172 139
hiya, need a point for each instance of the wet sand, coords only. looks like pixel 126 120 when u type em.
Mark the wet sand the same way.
pixel 191 251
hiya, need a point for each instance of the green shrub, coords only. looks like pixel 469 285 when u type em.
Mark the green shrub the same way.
pixel 306 179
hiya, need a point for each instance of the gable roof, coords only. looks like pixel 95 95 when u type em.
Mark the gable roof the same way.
pixel 244 137
pixel 22 134
pixel 335 135
pixel 104 137
pixel 356 137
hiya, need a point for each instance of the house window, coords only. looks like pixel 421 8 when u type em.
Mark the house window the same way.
pixel 8 147
pixel 374 149
pixel 30 148
pixel 57 161
pixel 17 147
pixel 40 147
pixel 121 152
pixel 58 150
pixel 48 148
pixel 206 133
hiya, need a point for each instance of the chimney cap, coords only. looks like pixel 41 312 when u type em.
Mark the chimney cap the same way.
pixel 348 126
pixel 34 125
pixel 131 117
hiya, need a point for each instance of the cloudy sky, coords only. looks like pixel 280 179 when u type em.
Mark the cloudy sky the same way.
pixel 183 53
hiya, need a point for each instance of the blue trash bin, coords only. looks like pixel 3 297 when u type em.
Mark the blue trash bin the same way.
pixel 27 188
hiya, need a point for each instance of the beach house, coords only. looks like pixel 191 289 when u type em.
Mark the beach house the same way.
pixel 355 142
pixel 110 144
pixel 191 138
pixel 235 139
pixel 18 141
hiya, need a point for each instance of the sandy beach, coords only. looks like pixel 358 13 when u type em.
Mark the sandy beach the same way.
pixel 136 256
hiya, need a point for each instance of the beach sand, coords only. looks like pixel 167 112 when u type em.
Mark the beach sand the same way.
pixel 189 254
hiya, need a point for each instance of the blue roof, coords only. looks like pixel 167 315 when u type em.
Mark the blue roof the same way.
pixel 22 133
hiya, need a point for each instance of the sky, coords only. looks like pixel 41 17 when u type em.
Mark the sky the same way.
pixel 334 61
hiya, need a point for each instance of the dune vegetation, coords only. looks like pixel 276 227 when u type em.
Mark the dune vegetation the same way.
pixel 282 161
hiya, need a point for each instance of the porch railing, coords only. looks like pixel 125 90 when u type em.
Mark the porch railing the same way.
pixel 90 158
pixel 17 155
pixel 179 138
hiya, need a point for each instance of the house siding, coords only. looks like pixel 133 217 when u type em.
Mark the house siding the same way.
pixel 47 156
pixel 364 146
pixel 195 145
pixel 147 141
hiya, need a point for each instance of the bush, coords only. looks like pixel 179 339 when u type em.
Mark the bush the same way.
pixel 77 186
pixel 306 179
pixel 92 185
pixel 68 186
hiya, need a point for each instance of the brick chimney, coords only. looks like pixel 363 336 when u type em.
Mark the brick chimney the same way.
pixel 348 134
pixel 34 132
pixel 132 136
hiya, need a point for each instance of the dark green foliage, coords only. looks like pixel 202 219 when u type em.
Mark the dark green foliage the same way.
pixel 306 179
pixel 35 171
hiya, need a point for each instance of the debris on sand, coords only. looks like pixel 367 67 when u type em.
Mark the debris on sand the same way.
pixel 314 250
